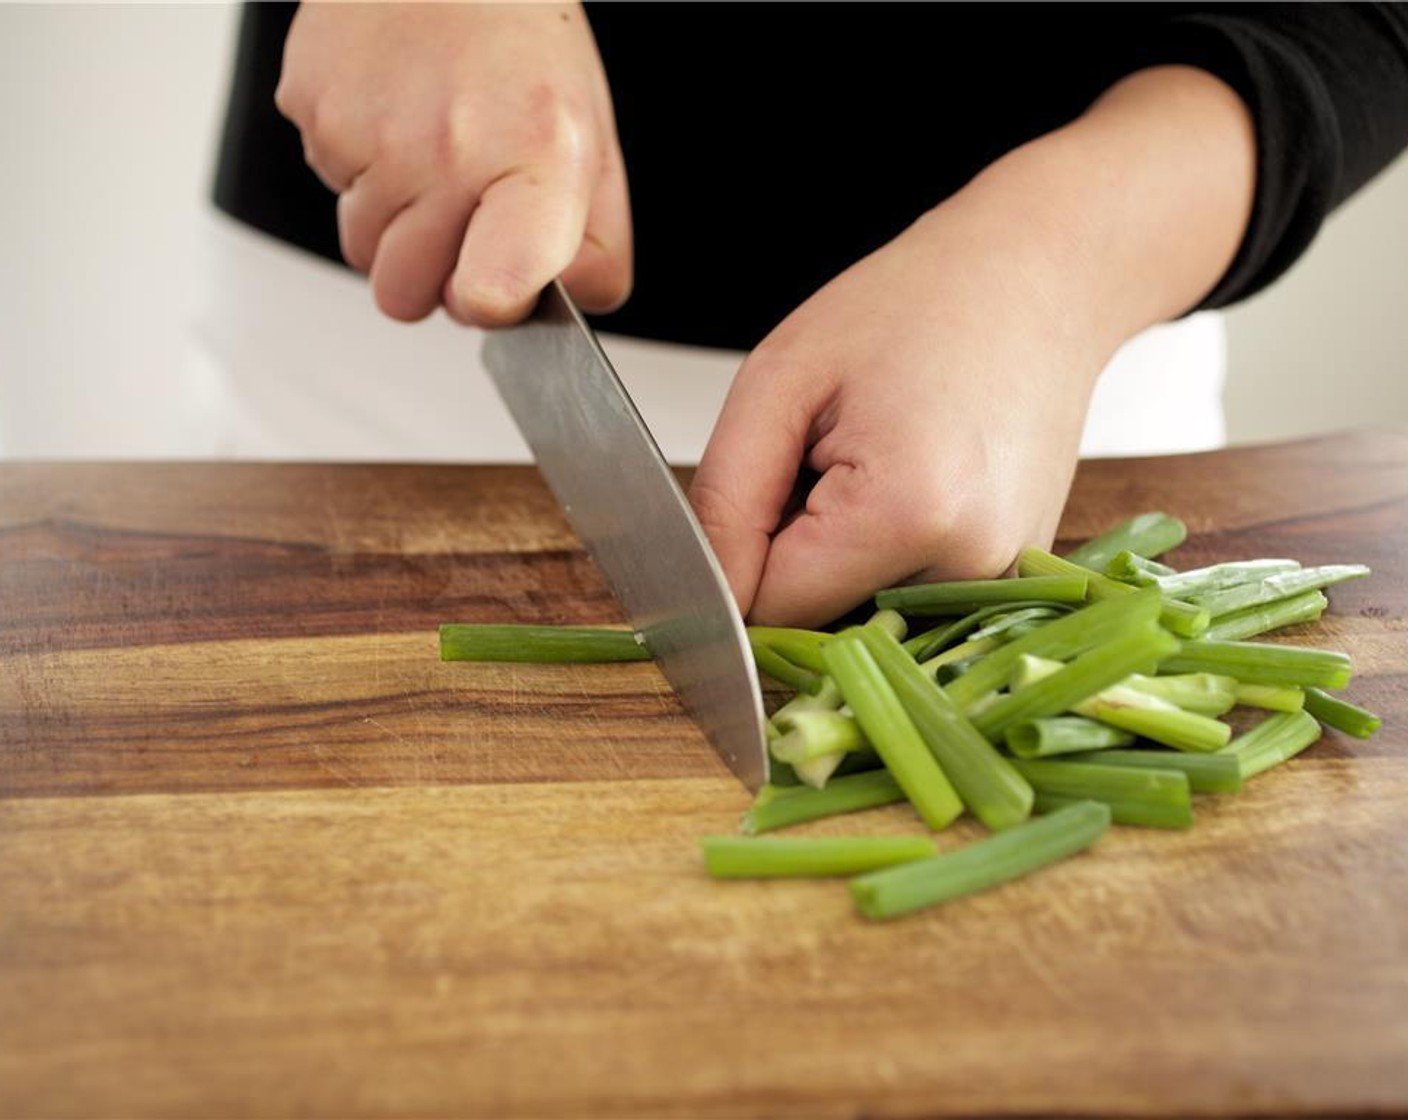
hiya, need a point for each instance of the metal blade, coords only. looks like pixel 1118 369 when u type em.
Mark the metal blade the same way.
pixel 617 491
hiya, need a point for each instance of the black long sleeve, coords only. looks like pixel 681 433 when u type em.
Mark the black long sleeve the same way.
pixel 771 146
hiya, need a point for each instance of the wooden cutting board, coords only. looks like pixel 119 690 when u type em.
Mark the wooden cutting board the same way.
pixel 261 853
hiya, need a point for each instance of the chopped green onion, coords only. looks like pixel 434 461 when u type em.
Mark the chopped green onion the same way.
pixel 1207 694
pixel 1340 714
pixel 1130 811
pixel 1060 639
pixel 1039 738
pixel 1149 534
pixel 463 641
pixel 974 647
pixel 1207 773
pixel 1282 585
pixel 801 647
pixel 769 661
pixel 808 735
pixel 1130 567
pixel 1184 619
pixel 1276 698
pixel 929 642
pixel 985 781
pixel 890 730
pixel 1139 648
pixel 1248 623
pixel 965 596
pixel 977 867
pixel 1262 663
pixel 738 857
pixel 892 622
pixel 1095 781
pixel 1202 581
pixel 1273 741
pixel 780 808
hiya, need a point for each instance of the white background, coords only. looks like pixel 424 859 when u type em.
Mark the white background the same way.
pixel 108 122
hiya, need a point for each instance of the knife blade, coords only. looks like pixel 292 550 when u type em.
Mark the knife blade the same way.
pixel 607 473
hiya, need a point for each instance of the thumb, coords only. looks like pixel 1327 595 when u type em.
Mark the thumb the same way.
pixel 745 479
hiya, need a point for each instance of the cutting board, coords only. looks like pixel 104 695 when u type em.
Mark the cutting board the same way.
pixel 261 853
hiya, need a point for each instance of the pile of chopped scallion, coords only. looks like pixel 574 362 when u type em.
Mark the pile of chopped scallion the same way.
pixel 1084 690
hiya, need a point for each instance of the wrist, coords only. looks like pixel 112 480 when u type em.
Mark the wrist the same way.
pixel 1131 214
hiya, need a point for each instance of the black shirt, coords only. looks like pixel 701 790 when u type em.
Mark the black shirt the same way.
pixel 769 147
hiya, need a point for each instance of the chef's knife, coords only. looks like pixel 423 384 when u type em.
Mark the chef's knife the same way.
pixel 613 484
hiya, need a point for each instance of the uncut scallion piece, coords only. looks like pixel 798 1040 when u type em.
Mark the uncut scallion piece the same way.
pixel 1031 845
pixel 1140 648
pixel 966 596
pixel 1184 619
pixel 1196 581
pixel 1282 585
pixel 1273 697
pixel 924 645
pixel 1262 663
pixel 782 807
pixel 1138 712
pixel 890 730
pixel 1148 534
pixel 984 780
pixel 463 641
pixel 1248 623
pixel 1273 741
pixel 1207 773
pixel 1053 735
pixel 1131 811
pixel 1340 714
pixel 740 857
pixel 1059 639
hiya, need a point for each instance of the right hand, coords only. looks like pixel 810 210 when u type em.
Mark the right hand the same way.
pixel 473 149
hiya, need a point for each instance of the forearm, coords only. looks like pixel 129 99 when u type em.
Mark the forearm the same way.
pixel 1132 212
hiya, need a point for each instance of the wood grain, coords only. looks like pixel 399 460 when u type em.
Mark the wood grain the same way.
pixel 262 854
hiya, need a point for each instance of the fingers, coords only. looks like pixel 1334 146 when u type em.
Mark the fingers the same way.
pixel 415 253
pixel 746 475
pixel 525 231
pixel 601 274
pixel 364 211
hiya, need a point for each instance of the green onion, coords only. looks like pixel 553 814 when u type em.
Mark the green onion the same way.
pixel 924 645
pixel 1340 714
pixel 801 647
pixel 1060 639
pixel 779 808
pixel 1134 710
pixel 1207 773
pixel 737 857
pixel 1184 619
pixel 1130 811
pixel 1207 694
pixel 1140 648
pixel 985 781
pixel 890 730
pixel 1277 698
pixel 892 622
pixel 974 647
pixel 1130 567
pixel 977 867
pixel 965 596
pixel 1200 581
pixel 769 661
pixel 1282 585
pixel 1095 781
pixel 1262 663
pixel 1149 534
pixel 462 641
pixel 1039 738
pixel 808 735
pixel 1248 623
pixel 1273 741
pixel 827 698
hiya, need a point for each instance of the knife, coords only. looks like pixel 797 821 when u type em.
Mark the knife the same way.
pixel 607 473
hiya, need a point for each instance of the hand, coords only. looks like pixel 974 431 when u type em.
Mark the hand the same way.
pixel 473 149
pixel 939 387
